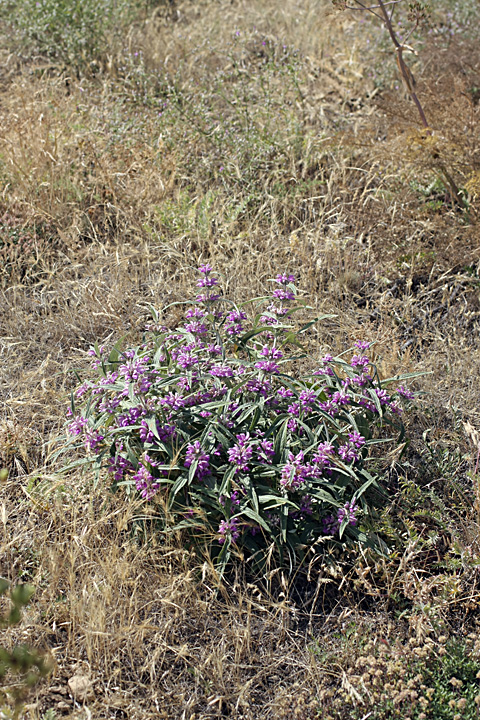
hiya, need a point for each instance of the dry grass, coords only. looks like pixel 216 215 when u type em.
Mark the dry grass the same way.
pixel 106 206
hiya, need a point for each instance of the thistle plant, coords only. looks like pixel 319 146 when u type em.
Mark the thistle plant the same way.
pixel 215 425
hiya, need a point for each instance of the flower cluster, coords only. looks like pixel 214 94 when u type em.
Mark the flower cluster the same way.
pixel 213 419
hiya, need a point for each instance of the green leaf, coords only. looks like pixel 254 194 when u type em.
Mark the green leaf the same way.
pixel 227 479
pixel 256 517
pixel 315 320
pixel 407 376
pixel 76 464
pixel 324 496
pixel 284 523
pixel 277 500
pixel 281 440
pixel 22 594
pixel 179 483
pixel 376 401
pixel 370 481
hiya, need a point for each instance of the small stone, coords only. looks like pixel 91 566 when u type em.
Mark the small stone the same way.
pixel 59 689
pixel 63 706
pixel 80 687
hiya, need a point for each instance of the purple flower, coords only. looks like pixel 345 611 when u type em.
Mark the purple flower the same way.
pixel 265 451
pixel 329 407
pixel 307 399
pixel 142 386
pixel 93 441
pixel 292 425
pixel 294 409
pixel 206 269
pixel 348 453
pixel 259 385
pixel 405 392
pixel 207 282
pixel 164 432
pixel 175 401
pixel 80 391
pixel 272 353
pixel 295 472
pixel 356 439
pixel 234 499
pixel 340 398
pixel 185 384
pixel 120 467
pixel 283 294
pixel 306 505
pixel 76 426
pixel 110 379
pixel 186 360
pixel 195 312
pixel 304 510
pixel 207 297
pixel 133 369
pixel 349 511
pixel 145 483
pixel 362 379
pixel 325 370
pixel 221 371
pixel 284 278
pixel 196 327
pixel 234 318
pixel 146 435
pixel 284 392
pixel 275 312
pixel 395 408
pixel 240 454
pixel 228 528
pixel 359 361
pixel 330 525
pixel 130 417
pixel 362 345
pixel 324 454
pixel 195 453
pixel 268 366
pixel 382 395
pixel 367 404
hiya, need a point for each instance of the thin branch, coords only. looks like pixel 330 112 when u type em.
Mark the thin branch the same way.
pixel 374 7
pixel 387 22
pixel 412 30
pixel 391 14
pixel 364 7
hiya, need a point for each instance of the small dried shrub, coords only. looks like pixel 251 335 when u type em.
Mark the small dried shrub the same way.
pixel 22 661
pixel 69 31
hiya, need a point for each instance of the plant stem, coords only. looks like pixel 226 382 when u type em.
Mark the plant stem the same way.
pixel 407 76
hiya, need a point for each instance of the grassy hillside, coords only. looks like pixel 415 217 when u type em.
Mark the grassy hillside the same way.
pixel 139 140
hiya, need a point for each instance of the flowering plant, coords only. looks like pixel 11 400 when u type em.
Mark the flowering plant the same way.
pixel 211 423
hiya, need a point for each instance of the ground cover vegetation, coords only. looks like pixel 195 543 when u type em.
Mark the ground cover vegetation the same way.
pixel 282 540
